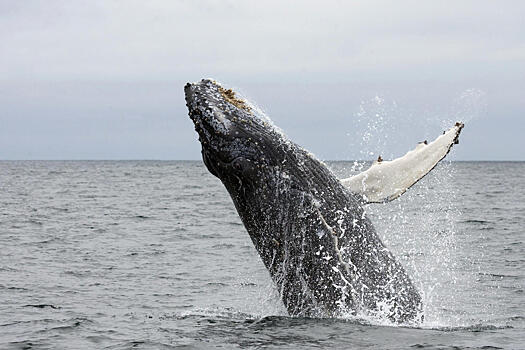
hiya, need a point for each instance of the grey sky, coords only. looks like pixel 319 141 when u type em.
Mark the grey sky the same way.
pixel 104 79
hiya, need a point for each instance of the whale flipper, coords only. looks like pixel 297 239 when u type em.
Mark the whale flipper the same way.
pixel 385 181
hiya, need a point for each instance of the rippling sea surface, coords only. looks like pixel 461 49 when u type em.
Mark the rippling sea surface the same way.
pixel 152 255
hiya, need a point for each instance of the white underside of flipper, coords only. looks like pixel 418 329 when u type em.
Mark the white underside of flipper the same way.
pixel 386 180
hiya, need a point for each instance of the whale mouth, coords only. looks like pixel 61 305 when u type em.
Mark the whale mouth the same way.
pixel 210 163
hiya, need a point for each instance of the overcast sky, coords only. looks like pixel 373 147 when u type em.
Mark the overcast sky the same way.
pixel 345 79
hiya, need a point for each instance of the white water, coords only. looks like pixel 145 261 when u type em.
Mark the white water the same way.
pixel 420 227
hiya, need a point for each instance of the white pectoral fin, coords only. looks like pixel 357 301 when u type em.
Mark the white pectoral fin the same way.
pixel 386 180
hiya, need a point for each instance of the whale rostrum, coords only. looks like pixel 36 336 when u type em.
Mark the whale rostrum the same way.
pixel 310 228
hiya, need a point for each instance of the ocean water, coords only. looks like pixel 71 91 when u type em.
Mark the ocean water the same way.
pixel 152 255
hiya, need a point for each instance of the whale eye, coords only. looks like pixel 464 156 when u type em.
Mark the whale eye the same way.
pixel 241 164
pixel 237 164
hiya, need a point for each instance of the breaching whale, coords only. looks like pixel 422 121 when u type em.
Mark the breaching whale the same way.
pixel 310 228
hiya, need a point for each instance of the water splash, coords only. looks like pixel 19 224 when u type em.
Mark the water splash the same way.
pixel 420 227
pixel 376 117
pixel 469 105
pixel 268 302
pixel 258 111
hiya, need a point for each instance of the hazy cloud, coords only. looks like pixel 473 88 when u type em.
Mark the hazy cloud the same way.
pixel 103 79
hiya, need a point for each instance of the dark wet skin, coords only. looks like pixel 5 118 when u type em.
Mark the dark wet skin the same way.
pixel 311 233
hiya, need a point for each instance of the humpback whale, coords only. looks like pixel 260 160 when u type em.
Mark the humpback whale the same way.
pixel 309 227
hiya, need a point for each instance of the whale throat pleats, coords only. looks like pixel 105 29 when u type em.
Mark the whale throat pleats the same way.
pixel 385 181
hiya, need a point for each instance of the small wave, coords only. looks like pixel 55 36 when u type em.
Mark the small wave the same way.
pixel 235 223
pixel 58 209
pixel 46 241
pixel 517 318
pixel 220 284
pixel 375 322
pixel 473 328
pixel 495 275
pixel 433 346
pixel 67 325
pixel 8 269
pixel 24 344
pixel 143 344
pixel 473 221
pixel 143 217
pixel 248 284
pixel 223 246
pixel 42 306
pixel 10 288
pixel 77 273
pixel 35 222
pixel 169 295
pixel 215 313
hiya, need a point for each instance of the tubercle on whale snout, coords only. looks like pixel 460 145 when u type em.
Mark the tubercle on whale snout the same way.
pixel 229 95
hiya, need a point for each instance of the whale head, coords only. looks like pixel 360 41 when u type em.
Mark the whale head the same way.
pixel 257 164
pixel 240 146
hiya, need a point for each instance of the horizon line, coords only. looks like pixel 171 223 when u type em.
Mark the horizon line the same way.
pixel 200 160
